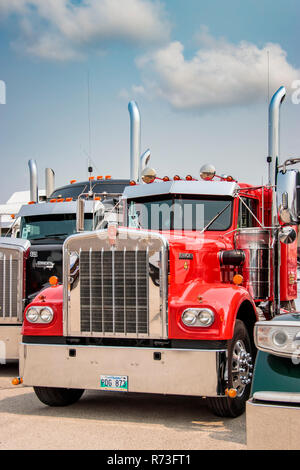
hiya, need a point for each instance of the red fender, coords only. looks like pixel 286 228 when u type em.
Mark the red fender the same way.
pixel 49 297
pixel 225 301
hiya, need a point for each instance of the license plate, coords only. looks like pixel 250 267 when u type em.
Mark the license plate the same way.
pixel 114 382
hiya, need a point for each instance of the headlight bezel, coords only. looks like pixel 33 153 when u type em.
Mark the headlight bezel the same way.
pixel 197 312
pixel 39 310
pixel 265 332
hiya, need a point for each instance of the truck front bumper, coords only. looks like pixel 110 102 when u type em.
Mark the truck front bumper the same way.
pixel 149 370
pixel 10 338
pixel 273 421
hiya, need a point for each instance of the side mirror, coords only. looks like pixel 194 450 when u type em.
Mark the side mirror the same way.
pixel 287 235
pixel 80 215
pixel 288 196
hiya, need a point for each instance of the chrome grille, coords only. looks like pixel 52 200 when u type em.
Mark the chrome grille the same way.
pixel 8 283
pixel 114 291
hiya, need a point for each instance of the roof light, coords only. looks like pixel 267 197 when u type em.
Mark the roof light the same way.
pixel 68 199
pixel 12 216
pixel 72 181
pixel 99 178
pixel 189 178
pixel 176 178
pixel 229 178
pixel 97 198
pixel 91 178
pixel 53 200
pixel 132 183
pixel 61 199
pixel 166 178
pixel 207 172
pixel 108 177
pixel 31 202
pixel 148 175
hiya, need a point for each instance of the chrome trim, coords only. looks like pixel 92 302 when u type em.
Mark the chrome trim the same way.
pixel 154 246
pixel 286 397
pixel 50 181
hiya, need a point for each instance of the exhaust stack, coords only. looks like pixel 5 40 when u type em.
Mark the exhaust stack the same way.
pixel 34 192
pixel 135 140
pixel 274 111
pixel 50 181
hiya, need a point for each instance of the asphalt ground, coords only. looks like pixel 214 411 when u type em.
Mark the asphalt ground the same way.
pixel 112 421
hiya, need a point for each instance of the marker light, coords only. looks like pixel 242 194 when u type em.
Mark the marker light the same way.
pixel 69 199
pixel 237 279
pixel 72 181
pixel 91 178
pixel 166 178
pixel 99 177
pixel 132 183
pixel 176 178
pixel 108 177
pixel 60 199
pixel 53 281
pixel 53 200
pixel 31 202
pixel 189 178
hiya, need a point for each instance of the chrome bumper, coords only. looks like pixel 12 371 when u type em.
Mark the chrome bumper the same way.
pixel 272 425
pixel 10 339
pixel 163 371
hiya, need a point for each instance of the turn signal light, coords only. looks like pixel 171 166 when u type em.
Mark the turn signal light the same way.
pixel 237 279
pixel 231 392
pixel 17 381
pixel 53 281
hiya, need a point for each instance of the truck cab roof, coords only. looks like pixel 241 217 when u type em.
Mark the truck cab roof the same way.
pixel 49 208
pixel 111 186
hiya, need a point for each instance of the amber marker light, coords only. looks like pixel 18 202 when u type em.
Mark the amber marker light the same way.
pixel 99 178
pixel 53 281
pixel 237 279
pixel 68 199
pixel 72 181
pixel 108 177
pixel 17 381
pixel 31 202
pixel 231 392
pixel 60 199
pixel 53 200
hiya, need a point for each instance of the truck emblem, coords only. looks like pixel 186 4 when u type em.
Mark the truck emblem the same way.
pixel 186 256
pixel 186 266
pixel 112 234
pixel 45 264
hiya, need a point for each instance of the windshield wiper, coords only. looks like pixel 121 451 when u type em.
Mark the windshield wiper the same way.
pixel 215 218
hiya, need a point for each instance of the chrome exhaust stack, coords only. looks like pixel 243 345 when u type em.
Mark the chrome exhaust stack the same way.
pixel 50 181
pixel 273 162
pixel 274 127
pixel 135 140
pixel 34 192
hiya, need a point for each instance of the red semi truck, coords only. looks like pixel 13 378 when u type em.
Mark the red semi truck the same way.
pixel 167 302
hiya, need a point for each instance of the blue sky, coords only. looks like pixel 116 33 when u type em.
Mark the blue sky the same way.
pixel 197 69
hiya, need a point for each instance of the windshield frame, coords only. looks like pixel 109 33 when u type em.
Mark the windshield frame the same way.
pixel 182 197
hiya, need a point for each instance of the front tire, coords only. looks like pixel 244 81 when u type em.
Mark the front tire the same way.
pixel 58 396
pixel 239 374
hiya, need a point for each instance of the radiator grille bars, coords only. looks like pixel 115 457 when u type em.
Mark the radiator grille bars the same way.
pixel 114 291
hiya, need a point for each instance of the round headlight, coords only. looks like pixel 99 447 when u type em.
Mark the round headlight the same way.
pixel 280 338
pixel 189 317
pixel 206 317
pixel 32 315
pixel 46 315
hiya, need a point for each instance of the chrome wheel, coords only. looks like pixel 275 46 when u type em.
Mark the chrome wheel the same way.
pixel 241 367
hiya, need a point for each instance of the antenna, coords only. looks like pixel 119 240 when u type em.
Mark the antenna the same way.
pixel 90 168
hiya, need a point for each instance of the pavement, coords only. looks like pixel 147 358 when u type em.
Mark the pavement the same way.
pixel 112 421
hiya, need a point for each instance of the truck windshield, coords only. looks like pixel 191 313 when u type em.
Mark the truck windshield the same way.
pixel 51 226
pixel 180 213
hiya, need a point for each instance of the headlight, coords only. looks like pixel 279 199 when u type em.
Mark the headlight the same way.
pixel 198 317
pixel 46 315
pixel 39 314
pixel 32 315
pixel 281 338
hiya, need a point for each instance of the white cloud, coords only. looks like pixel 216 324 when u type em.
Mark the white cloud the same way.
pixel 48 25
pixel 219 74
